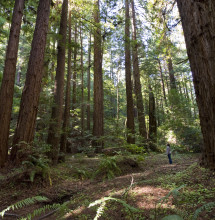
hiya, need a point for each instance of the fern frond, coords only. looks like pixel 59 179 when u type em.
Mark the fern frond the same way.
pixel 173 192
pixel 204 207
pixel 103 203
pixel 100 210
pixel 41 210
pixel 22 203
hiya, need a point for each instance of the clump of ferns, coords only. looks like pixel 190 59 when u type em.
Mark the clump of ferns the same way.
pixel 108 168
pixel 58 209
pixel 23 203
pixel 81 173
pixel 37 165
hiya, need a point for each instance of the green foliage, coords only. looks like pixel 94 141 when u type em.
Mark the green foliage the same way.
pixel 172 217
pixel 108 168
pixel 23 203
pixel 81 173
pixel 206 207
pixel 175 192
pixel 38 163
pixel 103 201
pixel 135 149
pixel 41 210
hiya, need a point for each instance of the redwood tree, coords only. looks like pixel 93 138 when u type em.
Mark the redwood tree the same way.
pixel 57 110
pixel 198 21
pixel 68 93
pixel 130 109
pixel 137 84
pixel 88 84
pixel 98 115
pixel 31 92
pixel 7 85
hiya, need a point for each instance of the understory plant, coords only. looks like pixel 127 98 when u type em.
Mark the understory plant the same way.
pixel 108 168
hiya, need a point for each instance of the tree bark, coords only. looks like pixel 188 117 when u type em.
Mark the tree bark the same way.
pixel 88 84
pixel 137 84
pixel 74 99
pixel 30 96
pixel 56 119
pixel 66 117
pixel 152 119
pixel 162 82
pixel 198 21
pixel 7 85
pixel 82 84
pixel 130 107
pixel 98 114
pixel 171 73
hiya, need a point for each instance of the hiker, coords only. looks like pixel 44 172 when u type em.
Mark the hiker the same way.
pixel 168 152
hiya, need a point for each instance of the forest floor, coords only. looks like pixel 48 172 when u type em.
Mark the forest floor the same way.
pixel 142 189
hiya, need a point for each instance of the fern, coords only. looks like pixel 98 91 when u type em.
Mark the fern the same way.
pixel 173 192
pixel 108 168
pixel 41 210
pixel 204 207
pixel 103 201
pixel 22 203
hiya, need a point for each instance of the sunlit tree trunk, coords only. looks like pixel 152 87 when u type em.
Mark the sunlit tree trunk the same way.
pixel 66 116
pixel 98 115
pixel 7 85
pixel 137 84
pixel 57 110
pixel 198 21
pixel 130 107
pixel 30 96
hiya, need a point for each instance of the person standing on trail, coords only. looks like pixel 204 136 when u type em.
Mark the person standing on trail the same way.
pixel 168 152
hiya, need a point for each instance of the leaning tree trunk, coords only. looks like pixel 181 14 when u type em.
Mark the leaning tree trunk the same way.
pixel 31 92
pixel 66 116
pixel 98 114
pixel 130 107
pixel 57 110
pixel 137 84
pixel 198 21
pixel 7 85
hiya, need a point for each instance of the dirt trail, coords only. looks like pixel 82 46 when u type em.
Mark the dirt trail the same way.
pixel 133 188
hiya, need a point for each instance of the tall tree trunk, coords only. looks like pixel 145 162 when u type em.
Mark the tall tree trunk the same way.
pixel 198 21
pixel 171 73
pixel 7 85
pixel 66 117
pixel 88 84
pixel 82 84
pixel 74 98
pixel 30 96
pixel 193 99
pixel 98 114
pixel 137 84
pixel 152 119
pixel 162 82
pixel 130 107
pixel 56 118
